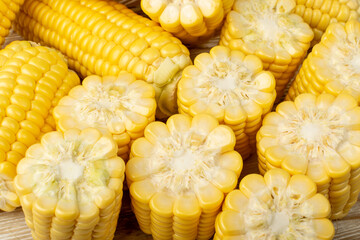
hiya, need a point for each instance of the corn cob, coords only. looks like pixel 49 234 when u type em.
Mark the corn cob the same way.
pixel 32 79
pixel 319 14
pixel 104 38
pixel 316 136
pixel 121 106
pixel 337 74
pixel 70 185
pixel 178 174
pixel 8 11
pixel 191 21
pixel 269 30
pixel 231 87
pixel 276 206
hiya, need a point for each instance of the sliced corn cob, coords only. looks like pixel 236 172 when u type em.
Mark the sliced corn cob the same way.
pixel 104 38
pixel 32 79
pixel 319 14
pixel 269 30
pixel 191 20
pixel 8 11
pixel 317 136
pixel 276 206
pixel 121 106
pixel 231 87
pixel 178 174
pixel 70 185
pixel 338 74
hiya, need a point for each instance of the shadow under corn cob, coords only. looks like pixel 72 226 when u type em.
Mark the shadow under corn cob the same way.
pixel 105 38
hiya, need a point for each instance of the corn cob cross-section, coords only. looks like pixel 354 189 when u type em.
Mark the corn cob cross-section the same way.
pixel 32 80
pixel 317 136
pixel 276 206
pixel 178 174
pixel 188 20
pixel 121 106
pixel 70 185
pixel 231 87
pixel 8 11
pixel 339 73
pixel 104 38
pixel 270 30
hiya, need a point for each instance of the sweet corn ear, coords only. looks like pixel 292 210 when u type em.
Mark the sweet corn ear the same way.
pixel 8 11
pixel 75 182
pixel 281 216
pixel 316 136
pixel 105 38
pixel 32 80
pixel 178 176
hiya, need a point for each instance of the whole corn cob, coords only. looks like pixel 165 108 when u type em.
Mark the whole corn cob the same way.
pixel 70 185
pixel 32 80
pixel 317 136
pixel 276 206
pixel 320 13
pixel 188 20
pixel 8 11
pixel 270 30
pixel 104 38
pixel 178 175
pixel 121 106
pixel 231 87
pixel 336 74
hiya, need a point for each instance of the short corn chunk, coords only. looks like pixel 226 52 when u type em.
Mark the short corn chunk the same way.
pixel 271 31
pixel 336 74
pixel 121 106
pixel 276 206
pixel 320 13
pixel 232 87
pixel 103 38
pixel 8 11
pixel 317 136
pixel 70 185
pixel 189 20
pixel 32 80
pixel 178 175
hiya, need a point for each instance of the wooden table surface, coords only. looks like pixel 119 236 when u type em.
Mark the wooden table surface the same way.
pixel 13 227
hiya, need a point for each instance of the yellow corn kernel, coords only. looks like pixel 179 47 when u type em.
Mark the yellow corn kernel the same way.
pixel 291 210
pixel 178 175
pixel 25 104
pixel 83 196
pixel 113 40
pixel 315 135
pixel 233 88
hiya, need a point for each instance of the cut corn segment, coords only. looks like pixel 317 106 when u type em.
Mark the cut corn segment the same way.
pixel 314 135
pixel 271 31
pixel 32 79
pixel 335 75
pixel 8 11
pixel 121 106
pixel 232 87
pixel 292 210
pixel 75 179
pixel 113 39
pixel 178 182
pixel 191 21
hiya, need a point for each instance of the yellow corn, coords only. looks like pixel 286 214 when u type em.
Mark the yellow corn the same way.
pixel 8 11
pixel 191 21
pixel 121 106
pixel 70 185
pixel 317 136
pixel 232 87
pixel 104 38
pixel 336 74
pixel 271 31
pixel 276 206
pixel 320 13
pixel 32 80
pixel 178 175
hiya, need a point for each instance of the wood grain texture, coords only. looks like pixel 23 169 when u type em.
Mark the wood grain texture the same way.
pixel 13 227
